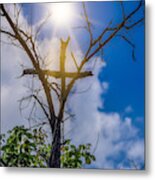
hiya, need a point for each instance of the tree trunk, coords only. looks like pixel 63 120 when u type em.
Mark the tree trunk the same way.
pixel 54 161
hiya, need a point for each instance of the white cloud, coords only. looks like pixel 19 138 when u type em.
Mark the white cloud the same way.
pixel 116 135
pixel 105 86
pixel 11 88
pixel 136 151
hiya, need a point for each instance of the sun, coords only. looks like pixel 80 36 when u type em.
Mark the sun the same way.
pixel 62 14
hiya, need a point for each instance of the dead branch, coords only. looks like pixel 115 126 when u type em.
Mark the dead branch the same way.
pixel 128 27
pixel 88 26
pixel 130 44
pixel 41 105
pixel 123 10
pixel 73 57
pixel 8 33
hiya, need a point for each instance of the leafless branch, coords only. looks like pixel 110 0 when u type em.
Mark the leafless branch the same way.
pixel 97 141
pixel 112 35
pixel 128 27
pixel 55 90
pixel 38 125
pixel 130 44
pixel 41 105
pixel 8 33
pixel 11 43
pixel 73 57
pixel 23 99
pixel 87 22
pixel 123 11
pixel 42 24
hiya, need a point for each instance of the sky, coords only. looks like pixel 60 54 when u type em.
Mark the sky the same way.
pixel 110 114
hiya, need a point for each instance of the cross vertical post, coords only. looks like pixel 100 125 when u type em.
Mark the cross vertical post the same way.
pixel 64 45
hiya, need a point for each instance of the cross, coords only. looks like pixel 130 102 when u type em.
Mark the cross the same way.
pixel 62 74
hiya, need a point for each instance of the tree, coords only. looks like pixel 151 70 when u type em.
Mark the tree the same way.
pixel 30 148
pixel 28 42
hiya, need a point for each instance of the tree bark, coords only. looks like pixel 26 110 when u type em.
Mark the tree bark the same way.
pixel 54 160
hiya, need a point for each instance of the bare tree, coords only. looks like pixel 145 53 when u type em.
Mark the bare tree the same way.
pixel 27 42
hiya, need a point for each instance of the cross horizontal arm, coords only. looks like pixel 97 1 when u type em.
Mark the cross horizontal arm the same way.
pixel 58 74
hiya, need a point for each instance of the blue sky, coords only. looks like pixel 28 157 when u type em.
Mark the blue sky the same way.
pixel 120 82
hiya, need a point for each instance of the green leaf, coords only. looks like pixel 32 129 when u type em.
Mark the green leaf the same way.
pixel 88 161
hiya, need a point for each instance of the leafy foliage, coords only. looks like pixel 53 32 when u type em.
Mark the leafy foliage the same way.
pixel 76 157
pixel 24 148
pixel 29 148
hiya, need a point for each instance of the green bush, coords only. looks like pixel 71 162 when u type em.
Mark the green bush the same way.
pixel 29 148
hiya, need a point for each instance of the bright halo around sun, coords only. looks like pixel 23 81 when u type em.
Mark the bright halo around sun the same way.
pixel 62 14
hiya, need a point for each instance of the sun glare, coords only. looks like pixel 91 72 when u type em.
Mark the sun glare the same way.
pixel 62 14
